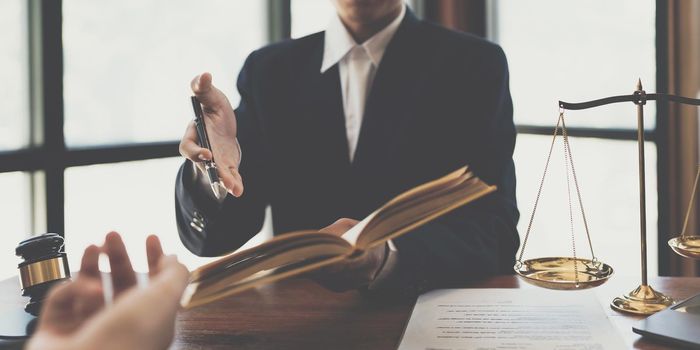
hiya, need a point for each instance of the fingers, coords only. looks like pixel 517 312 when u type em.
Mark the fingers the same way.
pixel 144 318
pixel 351 273
pixel 190 149
pixel 172 274
pixel 229 176
pixel 238 183
pixel 171 279
pixel 232 180
pixel 123 276
pixel 154 253
pixel 89 265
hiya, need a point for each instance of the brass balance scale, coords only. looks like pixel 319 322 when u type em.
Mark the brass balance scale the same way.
pixel 576 273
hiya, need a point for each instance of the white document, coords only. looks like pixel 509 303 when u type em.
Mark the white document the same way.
pixel 509 319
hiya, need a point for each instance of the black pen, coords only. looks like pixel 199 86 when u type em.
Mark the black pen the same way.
pixel 209 165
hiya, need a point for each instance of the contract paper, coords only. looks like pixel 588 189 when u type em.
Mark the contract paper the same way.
pixel 509 319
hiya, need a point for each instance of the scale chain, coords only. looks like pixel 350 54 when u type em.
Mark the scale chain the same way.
pixel 692 202
pixel 539 190
pixel 568 195
pixel 568 158
pixel 567 145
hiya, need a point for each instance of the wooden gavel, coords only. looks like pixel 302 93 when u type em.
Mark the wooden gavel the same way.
pixel 44 264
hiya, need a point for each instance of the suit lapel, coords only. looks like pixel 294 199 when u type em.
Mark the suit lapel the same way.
pixel 388 98
pixel 319 96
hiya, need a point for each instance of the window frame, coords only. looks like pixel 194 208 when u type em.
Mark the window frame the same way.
pixel 47 156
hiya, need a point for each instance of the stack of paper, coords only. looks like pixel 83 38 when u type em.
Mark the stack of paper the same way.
pixel 486 319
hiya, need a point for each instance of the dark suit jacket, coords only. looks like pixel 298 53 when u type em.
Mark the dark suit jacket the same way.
pixel 440 100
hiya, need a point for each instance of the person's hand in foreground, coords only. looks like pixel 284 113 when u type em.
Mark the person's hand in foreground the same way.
pixel 221 128
pixel 353 273
pixel 74 315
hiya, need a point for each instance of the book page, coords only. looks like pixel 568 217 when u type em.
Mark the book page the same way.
pixel 353 234
pixel 416 207
pixel 509 319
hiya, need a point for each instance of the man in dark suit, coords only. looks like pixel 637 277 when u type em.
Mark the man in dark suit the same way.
pixel 334 124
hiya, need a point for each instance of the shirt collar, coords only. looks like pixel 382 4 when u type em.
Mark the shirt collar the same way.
pixel 338 41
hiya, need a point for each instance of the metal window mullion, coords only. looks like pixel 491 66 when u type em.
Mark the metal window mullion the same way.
pixel 35 159
pixel 279 23
pixel 47 140
pixel 662 142
pixel 418 7
pixel 606 134
pixel 492 20
pixel 28 160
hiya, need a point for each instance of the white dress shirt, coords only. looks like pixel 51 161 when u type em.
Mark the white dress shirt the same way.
pixel 357 65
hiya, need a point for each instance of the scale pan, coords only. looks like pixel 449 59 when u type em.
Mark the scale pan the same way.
pixel 559 272
pixel 687 246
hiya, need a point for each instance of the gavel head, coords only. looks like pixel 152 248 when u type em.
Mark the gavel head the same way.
pixel 44 264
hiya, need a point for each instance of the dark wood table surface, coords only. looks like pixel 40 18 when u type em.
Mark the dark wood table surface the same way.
pixel 298 314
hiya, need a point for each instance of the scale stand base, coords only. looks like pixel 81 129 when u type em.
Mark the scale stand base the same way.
pixel 644 300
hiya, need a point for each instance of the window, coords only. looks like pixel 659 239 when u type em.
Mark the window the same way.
pixel 610 194
pixel 14 130
pixel 134 88
pixel 554 55
pixel 16 218
pixel 109 116
pixel 130 83
pixel 133 198
pixel 310 16
pixel 14 73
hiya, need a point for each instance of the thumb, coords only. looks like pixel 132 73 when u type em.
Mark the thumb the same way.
pixel 58 307
pixel 201 84
pixel 211 98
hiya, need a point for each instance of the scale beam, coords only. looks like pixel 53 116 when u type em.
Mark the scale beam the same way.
pixel 636 98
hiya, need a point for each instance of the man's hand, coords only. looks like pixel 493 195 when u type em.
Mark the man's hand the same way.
pixel 221 127
pixel 354 273
pixel 74 315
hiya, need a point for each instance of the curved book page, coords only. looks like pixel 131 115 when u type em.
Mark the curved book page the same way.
pixel 285 256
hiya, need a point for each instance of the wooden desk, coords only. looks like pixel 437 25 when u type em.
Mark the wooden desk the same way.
pixel 298 314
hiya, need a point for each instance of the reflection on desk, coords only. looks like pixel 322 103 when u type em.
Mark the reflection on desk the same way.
pixel 298 314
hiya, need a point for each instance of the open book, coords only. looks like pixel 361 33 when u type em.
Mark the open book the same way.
pixel 299 252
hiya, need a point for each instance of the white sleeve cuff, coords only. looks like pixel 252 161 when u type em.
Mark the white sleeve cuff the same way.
pixel 390 263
